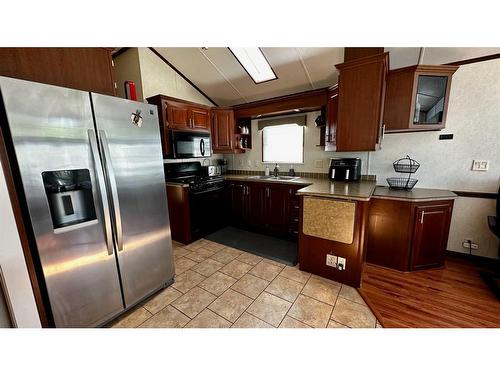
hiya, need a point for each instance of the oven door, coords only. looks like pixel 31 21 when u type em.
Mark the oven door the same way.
pixel 191 145
pixel 207 211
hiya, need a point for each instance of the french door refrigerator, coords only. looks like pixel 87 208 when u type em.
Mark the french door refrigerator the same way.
pixel 92 176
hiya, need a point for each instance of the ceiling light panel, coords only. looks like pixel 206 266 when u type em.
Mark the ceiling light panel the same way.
pixel 255 63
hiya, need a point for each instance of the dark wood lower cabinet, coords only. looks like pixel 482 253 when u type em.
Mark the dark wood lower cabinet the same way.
pixel 178 210
pixel 270 208
pixel 430 236
pixel 406 235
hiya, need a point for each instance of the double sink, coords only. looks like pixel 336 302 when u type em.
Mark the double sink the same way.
pixel 273 178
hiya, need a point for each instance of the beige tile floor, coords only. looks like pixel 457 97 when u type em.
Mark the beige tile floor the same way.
pixel 220 287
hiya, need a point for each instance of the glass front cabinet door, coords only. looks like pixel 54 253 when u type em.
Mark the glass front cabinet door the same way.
pixel 417 98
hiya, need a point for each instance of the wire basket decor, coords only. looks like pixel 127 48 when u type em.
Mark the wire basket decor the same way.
pixel 404 165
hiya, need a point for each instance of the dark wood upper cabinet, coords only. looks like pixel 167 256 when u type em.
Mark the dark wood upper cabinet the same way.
pixel 88 69
pixel 361 97
pixel 200 118
pixel 408 236
pixel 223 127
pixel 178 114
pixel 417 98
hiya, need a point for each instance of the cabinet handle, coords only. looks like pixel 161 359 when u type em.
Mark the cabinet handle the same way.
pixel 267 192
pixel 422 217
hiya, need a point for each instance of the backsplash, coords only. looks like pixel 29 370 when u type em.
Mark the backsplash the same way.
pixel 364 177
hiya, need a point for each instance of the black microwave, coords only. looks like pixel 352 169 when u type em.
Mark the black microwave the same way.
pixel 191 145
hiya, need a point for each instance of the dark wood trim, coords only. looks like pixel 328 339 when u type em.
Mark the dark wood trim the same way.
pixel 119 51
pixel 492 263
pixel 303 102
pixel 182 75
pixel 177 100
pixel 476 194
pixel 23 236
pixel 353 53
pixel 257 83
pixel 370 304
pixel 475 60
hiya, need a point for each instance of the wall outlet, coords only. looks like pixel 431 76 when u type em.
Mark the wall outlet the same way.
pixel 318 163
pixel 256 163
pixel 341 263
pixel 473 246
pixel 249 162
pixel 480 165
pixel 241 162
pixel 331 260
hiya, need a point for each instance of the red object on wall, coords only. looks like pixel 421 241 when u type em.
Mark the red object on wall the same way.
pixel 130 91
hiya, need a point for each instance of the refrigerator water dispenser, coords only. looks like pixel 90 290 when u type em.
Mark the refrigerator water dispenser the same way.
pixel 69 194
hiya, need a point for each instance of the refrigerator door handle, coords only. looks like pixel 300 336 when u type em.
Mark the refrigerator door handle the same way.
pixel 114 191
pixel 102 191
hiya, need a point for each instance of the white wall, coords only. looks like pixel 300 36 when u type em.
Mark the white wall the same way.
pixel 127 69
pixel 158 78
pixel 13 265
pixel 152 76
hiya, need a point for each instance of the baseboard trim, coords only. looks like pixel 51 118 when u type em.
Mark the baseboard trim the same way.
pixel 476 259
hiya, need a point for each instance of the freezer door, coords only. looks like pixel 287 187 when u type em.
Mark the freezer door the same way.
pixel 54 141
pixel 129 138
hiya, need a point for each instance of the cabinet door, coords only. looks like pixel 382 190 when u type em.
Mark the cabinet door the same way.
pixel 361 103
pixel 238 203
pixel 200 119
pixel 177 116
pixel 222 130
pixel 257 205
pixel 430 99
pixel 87 69
pixel 430 236
pixel 277 208
pixel 331 122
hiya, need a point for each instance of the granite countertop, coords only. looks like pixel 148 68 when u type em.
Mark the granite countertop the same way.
pixel 413 195
pixel 360 190
pixel 253 178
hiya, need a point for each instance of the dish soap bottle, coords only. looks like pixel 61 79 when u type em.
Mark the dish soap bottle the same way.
pixel 267 170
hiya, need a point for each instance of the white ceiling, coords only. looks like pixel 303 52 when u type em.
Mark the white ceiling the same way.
pixel 220 76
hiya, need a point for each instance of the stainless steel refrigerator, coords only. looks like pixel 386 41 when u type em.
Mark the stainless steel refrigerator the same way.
pixel 92 176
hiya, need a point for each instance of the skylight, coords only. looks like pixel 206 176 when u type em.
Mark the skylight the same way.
pixel 255 63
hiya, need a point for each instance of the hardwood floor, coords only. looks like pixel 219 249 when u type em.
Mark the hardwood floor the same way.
pixel 452 297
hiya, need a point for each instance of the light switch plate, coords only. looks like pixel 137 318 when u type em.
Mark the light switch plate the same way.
pixel 480 165
pixel 318 163
pixel 249 162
